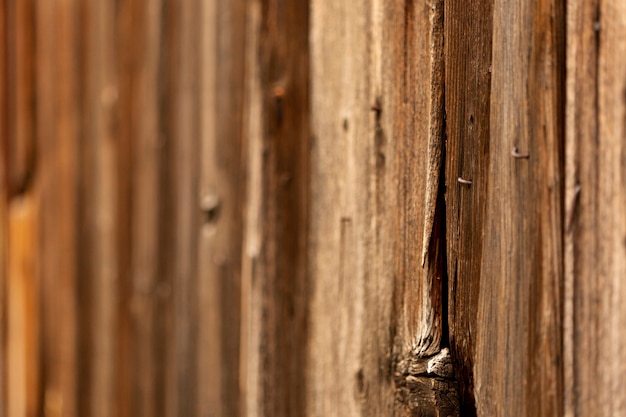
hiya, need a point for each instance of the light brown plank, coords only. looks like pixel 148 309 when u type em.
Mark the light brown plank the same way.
pixel 22 309
pixel 184 214
pixel 253 235
pixel 377 118
pixel 126 54
pixel 57 142
pixel 518 365
pixel 98 262
pixel 219 199
pixel 595 226
pixel 146 355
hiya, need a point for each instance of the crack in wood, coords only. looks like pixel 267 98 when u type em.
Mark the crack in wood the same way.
pixel 436 122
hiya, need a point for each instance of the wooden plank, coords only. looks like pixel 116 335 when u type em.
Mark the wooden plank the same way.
pixel 253 236
pixel 22 309
pixel 468 32
pixel 594 236
pixel 182 214
pixel 518 365
pixel 377 121
pixel 220 198
pixel 209 400
pixel 275 271
pixel 146 355
pixel 57 121
pixel 19 296
pixel 98 263
pixel 127 52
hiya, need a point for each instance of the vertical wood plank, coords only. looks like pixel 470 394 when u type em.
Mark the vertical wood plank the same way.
pixel 340 113
pixel 145 32
pixel 220 196
pixel 253 235
pixel 518 363
pixel 377 121
pixel 277 285
pixel 126 56
pixel 210 364
pixel 57 113
pixel 98 262
pixel 468 32
pixel 595 227
pixel 413 127
pixel 20 318
pixel 183 165
pixel 22 349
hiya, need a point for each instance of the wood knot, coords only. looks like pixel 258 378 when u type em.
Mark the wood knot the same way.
pixel 210 205
pixel 426 385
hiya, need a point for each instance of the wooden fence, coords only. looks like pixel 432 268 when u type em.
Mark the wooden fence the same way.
pixel 324 208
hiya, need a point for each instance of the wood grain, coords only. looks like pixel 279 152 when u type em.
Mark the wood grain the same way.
pixel 468 33
pixel 377 71
pixel 98 203
pixel 182 208
pixel 275 279
pixel 57 145
pixel 518 365
pixel 219 196
pixel 594 236
pixel 22 309
pixel 278 208
pixel 147 359
pixel 19 19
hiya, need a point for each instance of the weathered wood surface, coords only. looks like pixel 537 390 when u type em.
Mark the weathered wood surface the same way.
pixel 275 283
pixel 518 365
pixel 595 262
pixel 278 208
pixel 377 118
pixel 221 190
pixel 468 68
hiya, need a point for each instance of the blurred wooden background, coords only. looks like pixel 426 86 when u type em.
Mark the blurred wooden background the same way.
pixel 266 207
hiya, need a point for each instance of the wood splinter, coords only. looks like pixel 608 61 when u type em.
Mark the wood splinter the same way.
pixel 515 154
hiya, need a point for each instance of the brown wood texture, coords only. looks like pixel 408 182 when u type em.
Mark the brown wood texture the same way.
pixel 377 121
pixel 323 208
pixel 57 148
pixel 594 200
pixel 275 284
pixel 468 49
pixel 518 364
pixel 221 190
